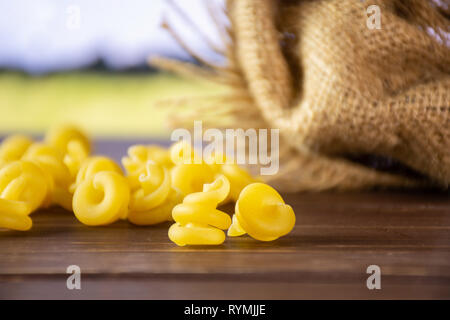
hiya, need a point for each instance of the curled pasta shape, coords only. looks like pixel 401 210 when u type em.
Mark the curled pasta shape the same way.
pixel 136 161
pixel 195 234
pixel 91 167
pixel 50 160
pixel 13 148
pixel 23 181
pixel 262 213
pixel 198 222
pixel 101 199
pixel 239 178
pixel 14 215
pixel 189 174
pixel 76 154
pixel 155 188
pixel 58 177
pixel 235 229
pixel 154 201
pixel 60 137
pixel 190 178
pixel 158 214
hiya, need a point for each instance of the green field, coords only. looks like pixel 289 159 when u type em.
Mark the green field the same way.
pixel 104 104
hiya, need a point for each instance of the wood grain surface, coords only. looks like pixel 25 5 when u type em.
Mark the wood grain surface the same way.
pixel 337 236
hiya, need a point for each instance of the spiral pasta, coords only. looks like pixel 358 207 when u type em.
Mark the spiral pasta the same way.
pixel 60 137
pixel 155 188
pixel 235 229
pixel 239 178
pixel 157 215
pixel 136 161
pixel 101 199
pixel 76 154
pixel 198 222
pixel 23 189
pixel 91 167
pixel 23 181
pixel 50 160
pixel 60 171
pixel 14 215
pixel 13 148
pixel 188 176
pixel 73 144
pixel 154 201
pixel 262 213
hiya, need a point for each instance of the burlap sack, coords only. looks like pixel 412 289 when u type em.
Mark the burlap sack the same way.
pixel 345 97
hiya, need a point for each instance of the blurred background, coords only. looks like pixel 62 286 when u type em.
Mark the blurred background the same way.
pixel 84 62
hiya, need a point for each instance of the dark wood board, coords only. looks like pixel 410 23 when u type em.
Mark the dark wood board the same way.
pixel 337 236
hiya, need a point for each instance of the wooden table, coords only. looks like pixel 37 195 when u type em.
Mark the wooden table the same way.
pixel 336 238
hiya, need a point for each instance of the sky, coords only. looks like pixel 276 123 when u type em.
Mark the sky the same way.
pixel 40 36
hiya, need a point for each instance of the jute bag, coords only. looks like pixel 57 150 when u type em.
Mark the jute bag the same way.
pixel 357 107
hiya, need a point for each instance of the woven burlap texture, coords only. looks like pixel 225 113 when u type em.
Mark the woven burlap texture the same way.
pixel 337 89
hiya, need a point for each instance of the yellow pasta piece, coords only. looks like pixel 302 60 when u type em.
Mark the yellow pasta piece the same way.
pixel 14 215
pixel 23 181
pixel 158 214
pixel 72 143
pixel 262 213
pixel 62 197
pixel 239 178
pixel 198 222
pixel 13 148
pixel 61 136
pixel 195 234
pixel 92 166
pixel 190 178
pixel 101 199
pixel 187 176
pixel 51 160
pixel 155 188
pixel 154 201
pixel 58 177
pixel 235 229
pixel 76 154
pixel 136 161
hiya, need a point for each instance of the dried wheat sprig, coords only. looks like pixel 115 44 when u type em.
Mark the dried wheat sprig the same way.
pixel 195 27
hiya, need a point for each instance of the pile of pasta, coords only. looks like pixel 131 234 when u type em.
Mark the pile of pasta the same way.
pixel 157 185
